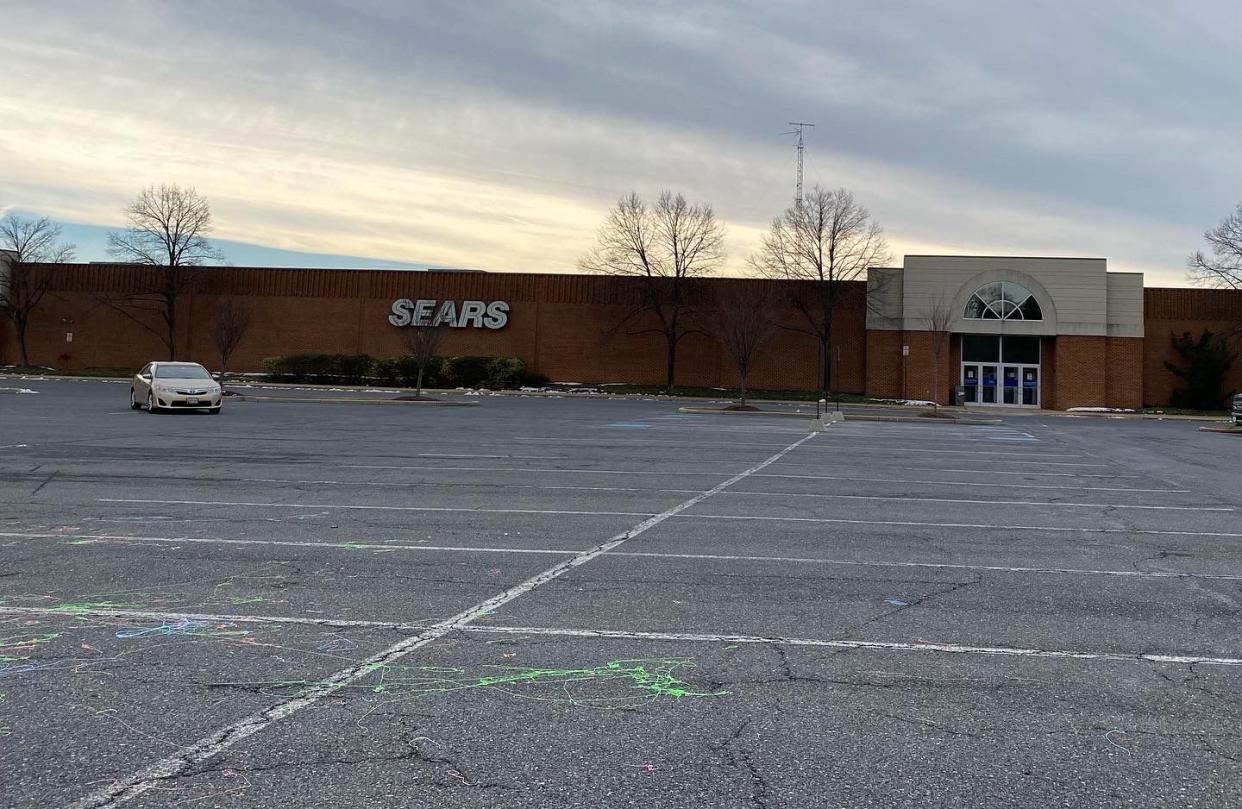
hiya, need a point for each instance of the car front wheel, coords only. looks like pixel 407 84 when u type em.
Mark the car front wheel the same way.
pixel 133 403
pixel 215 411
pixel 151 408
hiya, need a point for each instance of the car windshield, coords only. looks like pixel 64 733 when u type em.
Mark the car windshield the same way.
pixel 181 372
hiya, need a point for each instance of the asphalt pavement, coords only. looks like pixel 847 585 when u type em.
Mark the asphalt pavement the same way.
pixel 563 602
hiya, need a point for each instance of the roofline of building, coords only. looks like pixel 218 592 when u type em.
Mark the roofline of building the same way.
pixel 970 255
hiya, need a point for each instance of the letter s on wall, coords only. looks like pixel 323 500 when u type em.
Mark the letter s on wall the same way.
pixel 497 315
pixel 401 312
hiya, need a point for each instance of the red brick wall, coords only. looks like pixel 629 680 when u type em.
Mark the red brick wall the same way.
pixel 1173 312
pixel 1124 372
pixel 565 326
pixel 1081 371
pixel 884 363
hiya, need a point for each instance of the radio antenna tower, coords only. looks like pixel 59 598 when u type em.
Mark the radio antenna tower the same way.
pixel 797 130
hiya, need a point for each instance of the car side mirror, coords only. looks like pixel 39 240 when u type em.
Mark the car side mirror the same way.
pixel 144 377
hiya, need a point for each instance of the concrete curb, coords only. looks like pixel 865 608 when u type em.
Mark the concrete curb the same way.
pixel 919 419
pixel 713 411
pixel 968 420
pixel 345 400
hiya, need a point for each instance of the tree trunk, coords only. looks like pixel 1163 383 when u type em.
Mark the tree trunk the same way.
pixel 742 386
pixel 671 369
pixel 418 386
pixel 825 344
pixel 21 345
pixel 170 317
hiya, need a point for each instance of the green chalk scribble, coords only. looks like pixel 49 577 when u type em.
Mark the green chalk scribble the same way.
pixel 615 684
pixel 27 641
pixel 87 606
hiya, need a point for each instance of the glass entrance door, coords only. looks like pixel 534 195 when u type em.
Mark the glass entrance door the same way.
pixel 1001 384
pixel 1000 370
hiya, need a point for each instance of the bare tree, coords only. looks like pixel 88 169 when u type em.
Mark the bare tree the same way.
pixel 937 319
pixel 30 244
pixel 1223 269
pixel 745 323
pixel 229 324
pixel 665 247
pixel 828 244
pixel 167 232
pixel 422 342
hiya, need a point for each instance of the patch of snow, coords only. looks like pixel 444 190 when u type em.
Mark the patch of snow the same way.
pixel 18 390
pixel 1100 410
pixel 907 402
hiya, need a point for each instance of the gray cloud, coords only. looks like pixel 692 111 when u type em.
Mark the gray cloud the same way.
pixel 1106 128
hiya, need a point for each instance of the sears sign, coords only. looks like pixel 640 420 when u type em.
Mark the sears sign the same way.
pixel 472 314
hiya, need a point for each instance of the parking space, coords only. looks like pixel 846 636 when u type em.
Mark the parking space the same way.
pixel 539 602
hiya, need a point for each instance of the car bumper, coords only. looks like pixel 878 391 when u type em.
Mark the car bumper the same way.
pixel 183 401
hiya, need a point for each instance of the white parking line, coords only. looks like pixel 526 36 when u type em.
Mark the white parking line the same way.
pixel 947 648
pixel 973 483
pixel 124 789
pixel 1055 571
pixel 356 507
pixel 591 513
pixel 900 448
pixel 985 526
pixel 710 557
pixel 1042 504
pixel 353 546
pixel 649 472
pixel 508 485
pixel 977 471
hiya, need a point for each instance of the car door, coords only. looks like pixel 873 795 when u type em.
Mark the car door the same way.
pixel 142 382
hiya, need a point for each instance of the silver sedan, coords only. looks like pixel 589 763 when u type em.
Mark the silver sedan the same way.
pixel 174 386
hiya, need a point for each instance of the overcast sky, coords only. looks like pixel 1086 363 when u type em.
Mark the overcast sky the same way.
pixel 494 135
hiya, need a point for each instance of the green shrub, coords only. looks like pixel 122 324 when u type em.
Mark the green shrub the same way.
pixel 497 373
pixel 349 369
pixel 407 371
pixel 325 368
pixel 533 379
pixel 1206 361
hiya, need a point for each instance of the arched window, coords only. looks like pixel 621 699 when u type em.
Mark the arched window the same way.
pixel 1003 300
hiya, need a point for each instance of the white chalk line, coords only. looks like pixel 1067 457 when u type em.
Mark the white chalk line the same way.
pixel 947 648
pixel 711 557
pixel 617 634
pixel 213 744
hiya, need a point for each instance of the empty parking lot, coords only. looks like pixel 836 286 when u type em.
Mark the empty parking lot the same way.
pixel 560 602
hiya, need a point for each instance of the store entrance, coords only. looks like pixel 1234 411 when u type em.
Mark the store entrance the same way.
pixel 1000 370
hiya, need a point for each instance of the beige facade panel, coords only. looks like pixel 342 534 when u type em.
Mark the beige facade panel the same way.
pixel 884 298
pixel 1125 304
pixel 1072 292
